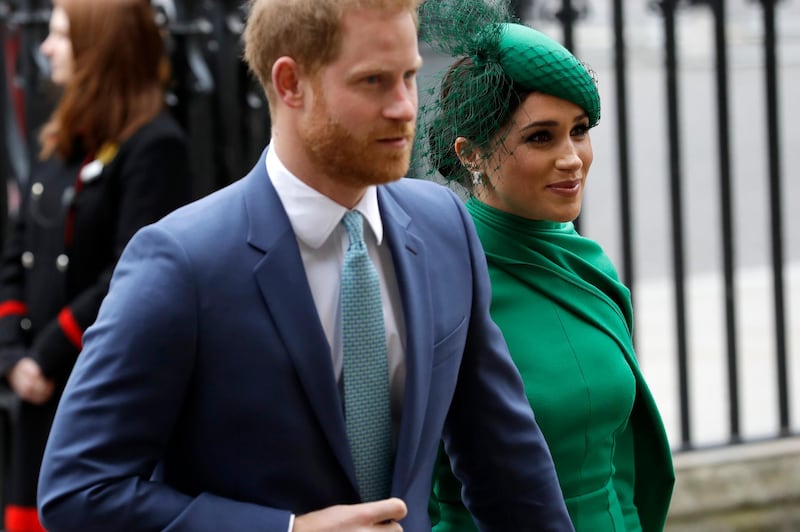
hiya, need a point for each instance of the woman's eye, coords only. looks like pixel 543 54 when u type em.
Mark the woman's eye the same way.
pixel 580 130
pixel 538 136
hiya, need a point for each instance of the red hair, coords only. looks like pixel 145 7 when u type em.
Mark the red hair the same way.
pixel 309 31
pixel 120 71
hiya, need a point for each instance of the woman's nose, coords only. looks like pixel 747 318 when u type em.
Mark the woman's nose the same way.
pixel 44 48
pixel 569 160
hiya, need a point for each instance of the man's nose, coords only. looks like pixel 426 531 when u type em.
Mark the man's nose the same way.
pixel 403 104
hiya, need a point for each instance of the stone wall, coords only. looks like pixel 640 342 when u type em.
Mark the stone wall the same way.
pixel 752 487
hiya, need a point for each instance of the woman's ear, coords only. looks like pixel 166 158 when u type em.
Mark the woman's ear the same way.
pixel 287 81
pixel 467 153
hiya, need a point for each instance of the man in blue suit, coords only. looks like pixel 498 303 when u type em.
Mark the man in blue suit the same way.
pixel 209 393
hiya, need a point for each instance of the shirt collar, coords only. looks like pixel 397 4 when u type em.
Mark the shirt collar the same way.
pixel 314 216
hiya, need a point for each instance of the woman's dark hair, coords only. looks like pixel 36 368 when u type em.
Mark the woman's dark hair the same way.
pixel 474 103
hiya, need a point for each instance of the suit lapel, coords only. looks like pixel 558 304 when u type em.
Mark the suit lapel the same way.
pixel 280 277
pixel 410 264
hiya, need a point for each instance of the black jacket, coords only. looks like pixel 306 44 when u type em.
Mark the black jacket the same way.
pixel 69 234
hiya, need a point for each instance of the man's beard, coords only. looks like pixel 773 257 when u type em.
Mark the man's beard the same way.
pixel 359 161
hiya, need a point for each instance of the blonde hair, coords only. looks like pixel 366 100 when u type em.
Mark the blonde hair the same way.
pixel 308 31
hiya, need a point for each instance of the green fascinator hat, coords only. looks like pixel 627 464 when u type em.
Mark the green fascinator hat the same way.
pixel 498 62
pixel 538 63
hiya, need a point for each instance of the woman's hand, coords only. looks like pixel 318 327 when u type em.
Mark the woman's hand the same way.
pixel 29 383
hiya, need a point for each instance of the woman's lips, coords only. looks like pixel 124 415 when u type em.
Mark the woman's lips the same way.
pixel 566 188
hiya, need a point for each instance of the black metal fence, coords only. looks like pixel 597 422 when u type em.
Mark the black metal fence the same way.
pixel 569 14
pixel 226 117
pixel 222 108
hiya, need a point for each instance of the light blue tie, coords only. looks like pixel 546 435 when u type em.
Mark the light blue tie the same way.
pixel 365 368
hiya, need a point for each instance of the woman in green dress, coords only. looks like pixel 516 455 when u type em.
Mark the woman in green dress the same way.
pixel 511 123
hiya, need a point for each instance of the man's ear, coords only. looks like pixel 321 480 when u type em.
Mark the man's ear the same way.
pixel 467 153
pixel 288 82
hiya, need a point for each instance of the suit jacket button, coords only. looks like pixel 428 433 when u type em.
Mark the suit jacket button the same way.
pixel 37 189
pixel 62 263
pixel 25 324
pixel 27 260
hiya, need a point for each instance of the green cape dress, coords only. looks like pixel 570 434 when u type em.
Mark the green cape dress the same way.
pixel 567 320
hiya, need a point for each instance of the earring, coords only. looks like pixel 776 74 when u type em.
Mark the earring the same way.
pixel 477 177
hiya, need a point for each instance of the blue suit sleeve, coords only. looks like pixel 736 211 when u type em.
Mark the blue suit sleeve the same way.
pixel 121 406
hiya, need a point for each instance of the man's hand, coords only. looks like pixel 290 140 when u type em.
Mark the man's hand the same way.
pixel 28 381
pixel 379 515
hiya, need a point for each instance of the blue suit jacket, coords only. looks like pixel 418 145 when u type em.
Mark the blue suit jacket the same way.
pixel 205 398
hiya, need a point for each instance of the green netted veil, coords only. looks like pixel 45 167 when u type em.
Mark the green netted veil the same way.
pixel 499 60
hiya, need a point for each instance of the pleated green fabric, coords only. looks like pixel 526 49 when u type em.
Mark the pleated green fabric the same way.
pixel 567 319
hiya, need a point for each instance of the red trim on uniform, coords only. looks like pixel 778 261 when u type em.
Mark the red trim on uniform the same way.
pixel 22 519
pixel 13 308
pixel 70 326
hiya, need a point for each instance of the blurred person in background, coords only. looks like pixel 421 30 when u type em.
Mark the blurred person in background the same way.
pixel 112 160
pixel 511 124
